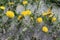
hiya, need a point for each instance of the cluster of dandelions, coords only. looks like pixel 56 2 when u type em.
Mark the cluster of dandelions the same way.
pixel 47 17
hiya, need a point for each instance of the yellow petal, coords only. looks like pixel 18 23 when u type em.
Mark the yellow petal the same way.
pixel 19 17
pixel 25 2
pixel 2 7
pixel 39 20
pixel 44 29
pixel 54 19
pixel 10 14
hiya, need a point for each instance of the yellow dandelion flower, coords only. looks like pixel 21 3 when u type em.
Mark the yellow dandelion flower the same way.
pixel 44 29
pixel 44 14
pixel 54 19
pixel 11 3
pixel 26 13
pixel 2 7
pixel 10 14
pixel 51 15
pixel 49 11
pixel 19 17
pixel 25 2
pixel 39 20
